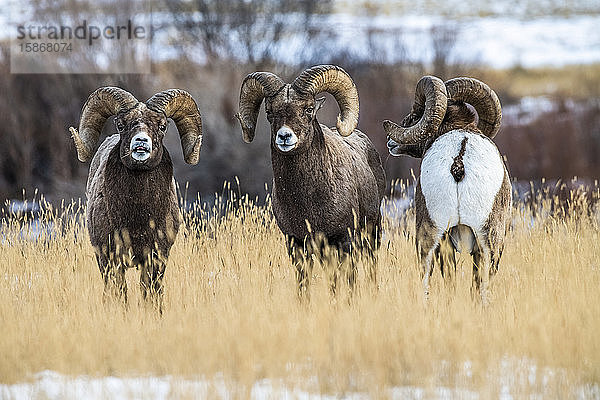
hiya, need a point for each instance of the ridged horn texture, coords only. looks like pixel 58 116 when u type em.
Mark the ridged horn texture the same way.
pixel 179 105
pixel 103 103
pixel 337 82
pixel 482 98
pixel 430 104
pixel 255 87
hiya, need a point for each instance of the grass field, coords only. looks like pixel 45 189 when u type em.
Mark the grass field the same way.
pixel 231 312
pixel 579 82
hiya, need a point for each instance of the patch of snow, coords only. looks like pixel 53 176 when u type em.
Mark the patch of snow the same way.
pixel 512 375
pixel 530 108
pixel 527 110
pixel 395 208
pixel 498 36
pixel 497 41
pixel 51 385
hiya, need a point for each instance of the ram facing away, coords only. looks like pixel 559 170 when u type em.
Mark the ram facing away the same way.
pixel 132 210
pixel 463 196
pixel 326 181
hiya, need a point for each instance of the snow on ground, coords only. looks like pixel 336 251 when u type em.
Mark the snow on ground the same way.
pixel 501 35
pixel 514 377
pixel 51 385
pixel 497 41
pixel 492 40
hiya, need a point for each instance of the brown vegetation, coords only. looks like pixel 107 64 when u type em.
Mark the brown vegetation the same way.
pixel 231 310
pixel 36 152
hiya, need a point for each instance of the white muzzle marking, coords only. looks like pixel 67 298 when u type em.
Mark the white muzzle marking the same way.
pixel 286 139
pixel 393 148
pixel 141 146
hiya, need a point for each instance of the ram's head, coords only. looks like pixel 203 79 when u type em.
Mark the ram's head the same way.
pixel 142 126
pixel 291 108
pixel 440 107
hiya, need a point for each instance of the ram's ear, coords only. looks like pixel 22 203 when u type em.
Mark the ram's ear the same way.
pixel 319 103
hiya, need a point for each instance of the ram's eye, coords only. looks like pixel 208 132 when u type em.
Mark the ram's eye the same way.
pixel 309 110
pixel 163 126
pixel 120 125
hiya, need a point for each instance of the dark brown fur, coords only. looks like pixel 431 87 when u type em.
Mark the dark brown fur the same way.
pixel 132 215
pixel 458 116
pixel 335 183
pixel 423 223
pixel 458 166
pixel 498 223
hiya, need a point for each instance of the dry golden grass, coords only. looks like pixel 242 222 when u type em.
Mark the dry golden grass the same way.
pixel 231 310
pixel 580 82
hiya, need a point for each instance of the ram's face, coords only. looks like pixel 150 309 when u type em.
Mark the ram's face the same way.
pixel 291 117
pixel 142 131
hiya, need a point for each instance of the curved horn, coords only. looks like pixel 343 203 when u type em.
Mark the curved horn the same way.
pixel 255 87
pixel 100 105
pixel 482 98
pixel 430 105
pixel 179 105
pixel 337 82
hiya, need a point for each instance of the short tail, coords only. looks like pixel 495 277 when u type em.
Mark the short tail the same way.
pixel 457 169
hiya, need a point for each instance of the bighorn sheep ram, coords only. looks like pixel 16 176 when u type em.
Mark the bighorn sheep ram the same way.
pixel 326 182
pixel 132 210
pixel 463 195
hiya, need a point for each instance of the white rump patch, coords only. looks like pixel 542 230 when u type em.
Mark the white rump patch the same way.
pixel 141 146
pixel 468 202
pixel 286 139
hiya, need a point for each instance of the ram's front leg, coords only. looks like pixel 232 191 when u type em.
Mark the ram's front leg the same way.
pixel 151 281
pixel 303 263
pixel 347 260
pixel 113 275
pixel 370 245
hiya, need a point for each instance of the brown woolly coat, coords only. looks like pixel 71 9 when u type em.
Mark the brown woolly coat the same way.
pixel 337 184
pixel 135 207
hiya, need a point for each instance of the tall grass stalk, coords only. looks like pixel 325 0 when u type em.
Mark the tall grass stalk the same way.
pixel 231 309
